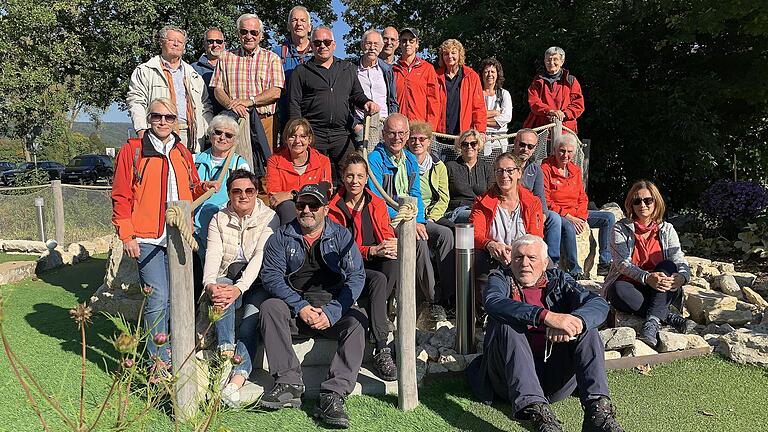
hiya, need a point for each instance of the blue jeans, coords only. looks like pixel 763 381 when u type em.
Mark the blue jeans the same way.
pixel 459 214
pixel 250 332
pixel 153 272
pixel 552 228
pixel 604 220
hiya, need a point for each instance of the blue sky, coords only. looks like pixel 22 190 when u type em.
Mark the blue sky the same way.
pixel 340 28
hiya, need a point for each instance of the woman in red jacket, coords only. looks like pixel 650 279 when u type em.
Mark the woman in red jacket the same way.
pixel 365 215
pixel 460 92
pixel 297 163
pixel 505 212
pixel 564 191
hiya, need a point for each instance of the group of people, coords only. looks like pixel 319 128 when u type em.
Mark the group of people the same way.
pixel 318 256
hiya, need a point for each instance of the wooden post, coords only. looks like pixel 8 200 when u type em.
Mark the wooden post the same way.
pixel 182 317
pixel 58 211
pixel 407 390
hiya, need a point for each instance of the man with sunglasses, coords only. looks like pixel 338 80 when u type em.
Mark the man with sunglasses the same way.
pixel 314 272
pixel 214 44
pixel 526 141
pixel 324 91
pixel 168 76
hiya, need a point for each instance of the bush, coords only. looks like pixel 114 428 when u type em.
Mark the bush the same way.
pixel 734 202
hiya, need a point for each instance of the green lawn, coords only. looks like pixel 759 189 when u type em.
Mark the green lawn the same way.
pixel 4 257
pixel 702 394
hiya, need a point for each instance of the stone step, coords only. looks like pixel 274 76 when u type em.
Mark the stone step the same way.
pixel 317 351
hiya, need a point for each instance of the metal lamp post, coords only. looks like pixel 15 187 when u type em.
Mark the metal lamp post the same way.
pixel 465 288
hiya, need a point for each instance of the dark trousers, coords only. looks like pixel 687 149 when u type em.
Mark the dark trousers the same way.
pixel 522 378
pixel 642 300
pixel 381 277
pixel 443 260
pixel 483 266
pixel 336 147
pixel 277 329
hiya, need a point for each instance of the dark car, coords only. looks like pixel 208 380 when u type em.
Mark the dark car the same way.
pixel 54 170
pixel 88 168
pixel 5 166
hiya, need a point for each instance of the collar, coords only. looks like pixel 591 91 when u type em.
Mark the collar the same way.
pixel 166 65
pixel 375 66
pixel 241 52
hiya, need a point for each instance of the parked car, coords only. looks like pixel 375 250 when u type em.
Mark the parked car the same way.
pixel 89 168
pixel 54 170
pixel 5 166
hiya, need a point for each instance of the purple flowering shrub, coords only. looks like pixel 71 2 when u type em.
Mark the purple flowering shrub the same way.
pixel 734 201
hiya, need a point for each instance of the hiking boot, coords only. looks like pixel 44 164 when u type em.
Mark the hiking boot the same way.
pixel 383 364
pixel 650 331
pixel 330 410
pixel 283 396
pixel 230 395
pixel 543 418
pixel 603 269
pixel 682 325
pixel 437 313
pixel 600 416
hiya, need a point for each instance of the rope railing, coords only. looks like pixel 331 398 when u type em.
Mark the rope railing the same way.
pixel 175 217
pixel 18 188
pixel 495 136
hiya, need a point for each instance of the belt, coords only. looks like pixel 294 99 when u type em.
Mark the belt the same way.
pixel 263 116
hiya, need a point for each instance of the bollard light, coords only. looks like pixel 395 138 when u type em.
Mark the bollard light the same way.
pixel 465 288
pixel 40 219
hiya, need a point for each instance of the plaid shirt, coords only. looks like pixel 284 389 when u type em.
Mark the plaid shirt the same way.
pixel 235 69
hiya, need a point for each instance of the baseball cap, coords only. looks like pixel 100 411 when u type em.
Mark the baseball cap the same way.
pixel 410 30
pixel 318 191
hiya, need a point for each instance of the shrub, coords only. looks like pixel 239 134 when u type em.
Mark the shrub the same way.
pixel 734 202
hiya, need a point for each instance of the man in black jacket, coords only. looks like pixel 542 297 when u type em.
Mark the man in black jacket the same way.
pixel 542 341
pixel 321 91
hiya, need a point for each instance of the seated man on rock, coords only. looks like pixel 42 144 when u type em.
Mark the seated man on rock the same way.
pixel 315 273
pixel 542 342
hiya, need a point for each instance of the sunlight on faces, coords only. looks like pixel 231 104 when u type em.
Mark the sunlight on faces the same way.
pixel 242 195
pixel 522 143
pixel 221 143
pixel 249 41
pixel 395 133
pixel 372 46
pixel 172 47
pixel 323 52
pixel 308 219
pixel 214 49
pixel 565 154
pixel 355 178
pixel 508 179
pixel 409 44
pixel 469 148
pixel 451 58
pixel 390 41
pixel 553 63
pixel 418 144
pixel 298 142
pixel 299 24
pixel 162 128
pixel 490 74
pixel 642 210
pixel 529 263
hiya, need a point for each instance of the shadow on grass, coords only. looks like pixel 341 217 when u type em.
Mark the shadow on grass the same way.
pixel 82 279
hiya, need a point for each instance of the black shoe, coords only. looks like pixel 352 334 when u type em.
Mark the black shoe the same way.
pixel 682 325
pixel 600 416
pixel 543 418
pixel 330 409
pixel 603 269
pixel 383 364
pixel 650 331
pixel 283 396
pixel 437 313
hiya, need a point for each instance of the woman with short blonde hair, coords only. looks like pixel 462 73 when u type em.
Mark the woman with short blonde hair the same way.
pixel 468 176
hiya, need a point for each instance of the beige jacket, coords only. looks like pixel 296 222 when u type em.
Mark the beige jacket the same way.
pixel 227 232
pixel 148 82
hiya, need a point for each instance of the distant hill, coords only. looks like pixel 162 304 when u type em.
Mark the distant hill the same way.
pixel 111 134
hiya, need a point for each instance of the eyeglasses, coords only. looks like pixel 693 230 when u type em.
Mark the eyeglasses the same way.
pixel 244 32
pixel 156 117
pixel 647 201
pixel 523 145
pixel 249 192
pixel 419 139
pixel 218 132
pixel 509 171
pixel 215 41
pixel 467 144
pixel 320 42
pixel 313 206
pixel 393 134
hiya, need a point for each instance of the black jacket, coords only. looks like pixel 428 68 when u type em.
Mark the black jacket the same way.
pixel 325 102
pixel 466 184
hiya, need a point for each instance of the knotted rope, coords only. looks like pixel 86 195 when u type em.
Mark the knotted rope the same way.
pixel 405 212
pixel 175 217
pixel 492 136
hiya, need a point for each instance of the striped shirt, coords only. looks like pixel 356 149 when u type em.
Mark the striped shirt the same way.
pixel 245 76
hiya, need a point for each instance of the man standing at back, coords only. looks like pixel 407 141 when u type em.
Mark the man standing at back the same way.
pixel 321 91
pixel 206 64
pixel 416 82
pixel 295 50
pixel 391 42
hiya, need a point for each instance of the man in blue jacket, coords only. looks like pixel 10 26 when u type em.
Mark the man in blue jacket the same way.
pixel 542 342
pixel 314 272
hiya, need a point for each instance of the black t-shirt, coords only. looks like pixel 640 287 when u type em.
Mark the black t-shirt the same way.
pixel 453 103
pixel 314 280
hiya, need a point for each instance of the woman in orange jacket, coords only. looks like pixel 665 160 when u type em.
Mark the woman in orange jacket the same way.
pixel 297 163
pixel 460 92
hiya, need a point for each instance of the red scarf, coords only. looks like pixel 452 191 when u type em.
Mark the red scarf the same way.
pixel 647 253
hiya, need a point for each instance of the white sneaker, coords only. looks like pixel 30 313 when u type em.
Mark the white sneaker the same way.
pixel 230 396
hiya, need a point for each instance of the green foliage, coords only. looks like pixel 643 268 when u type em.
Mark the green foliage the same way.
pixel 31 178
pixel 753 240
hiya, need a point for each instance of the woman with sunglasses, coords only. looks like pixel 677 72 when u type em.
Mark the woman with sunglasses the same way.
pixel 649 267
pixel 504 213
pixel 468 176
pixel 296 163
pixel 366 217
pixel 236 238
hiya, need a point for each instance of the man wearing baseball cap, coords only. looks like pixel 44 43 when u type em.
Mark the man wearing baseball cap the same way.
pixel 415 81
pixel 314 272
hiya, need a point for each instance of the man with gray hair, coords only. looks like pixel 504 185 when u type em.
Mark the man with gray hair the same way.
pixel 167 75
pixel 378 82
pixel 542 343
pixel 295 50
pixel 323 91
pixel 555 94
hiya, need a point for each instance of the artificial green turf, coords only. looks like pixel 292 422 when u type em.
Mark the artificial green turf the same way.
pixel 701 394
pixel 4 257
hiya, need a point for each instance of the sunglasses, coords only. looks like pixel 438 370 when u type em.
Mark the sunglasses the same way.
pixel 215 41
pixel 156 117
pixel 218 132
pixel 419 139
pixel 313 206
pixel 647 201
pixel 244 32
pixel 467 144
pixel 508 171
pixel 523 145
pixel 248 191
pixel 319 42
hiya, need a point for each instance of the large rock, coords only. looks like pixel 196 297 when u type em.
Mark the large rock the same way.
pixel 639 348
pixel 733 317
pixel 723 266
pixel 617 338
pixel 669 341
pixel 727 285
pixel 451 360
pixel 744 279
pixel 612 355
pixel 699 282
pixel 14 271
pixel 121 291
pixel 709 272
pixel 699 301
pixel 746 346
pixel 696 263
pixel 629 320
pixel 443 338
pixel 756 299
pixel 696 341
pixel 24 246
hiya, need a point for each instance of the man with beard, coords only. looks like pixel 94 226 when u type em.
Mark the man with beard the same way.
pixel 314 272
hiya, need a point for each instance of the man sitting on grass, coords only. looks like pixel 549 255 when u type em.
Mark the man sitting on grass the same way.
pixel 542 342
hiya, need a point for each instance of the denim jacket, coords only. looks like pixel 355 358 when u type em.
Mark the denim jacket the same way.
pixel 284 254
